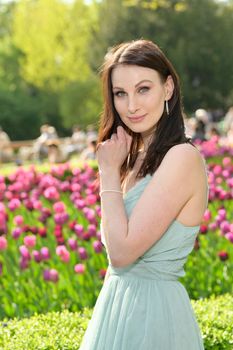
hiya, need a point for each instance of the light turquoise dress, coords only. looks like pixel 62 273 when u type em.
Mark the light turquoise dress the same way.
pixel 143 306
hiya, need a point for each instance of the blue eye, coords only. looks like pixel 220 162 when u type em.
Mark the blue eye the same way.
pixel 119 93
pixel 143 89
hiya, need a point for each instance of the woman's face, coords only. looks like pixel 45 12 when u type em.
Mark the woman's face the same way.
pixel 139 96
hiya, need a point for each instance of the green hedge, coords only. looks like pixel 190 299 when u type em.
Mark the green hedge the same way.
pixel 65 330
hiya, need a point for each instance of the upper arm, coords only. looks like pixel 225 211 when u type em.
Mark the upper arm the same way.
pixel 170 188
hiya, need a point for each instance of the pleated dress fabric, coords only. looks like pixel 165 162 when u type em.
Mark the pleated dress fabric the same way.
pixel 143 306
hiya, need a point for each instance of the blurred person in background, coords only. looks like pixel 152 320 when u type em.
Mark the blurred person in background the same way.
pixel 77 141
pixel 91 134
pixel 6 152
pixel 40 147
pixel 89 153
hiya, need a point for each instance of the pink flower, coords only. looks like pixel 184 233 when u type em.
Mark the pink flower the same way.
pixel 59 207
pixel 72 243
pixel 226 161
pixel 225 226
pixel 91 230
pixel 18 220
pixel 97 245
pixel 42 232
pixel 82 253
pixel 78 229
pixel 91 199
pixel 203 229
pixel 63 253
pixel 37 205
pixel 37 256
pixel 16 232
pixel 79 268
pixel 30 241
pixel 223 255
pixel 79 204
pixel 45 253
pixel 213 226
pixel 24 252
pixel 229 236
pixel 207 215
pixel 23 263
pixel 14 204
pixel 51 193
pixel 3 243
pixel 53 274
pixel 217 170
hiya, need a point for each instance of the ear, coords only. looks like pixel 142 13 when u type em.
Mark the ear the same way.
pixel 169 87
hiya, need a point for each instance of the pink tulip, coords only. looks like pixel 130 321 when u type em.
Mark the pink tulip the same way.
pixel 97 245
pixel 213 226
pixel 30 241
pixel 63 253
pixel 229 236
pixel 79 268
pixel 78 229
pixel 14 204
pixel 223 255
pixel 207 215
pixel 72 243
pixel 46 275
pixel 226 161
pixel 37 256
pixel 3 243
pixel 59 207
pixel 225 226
pixel 53 274
pixel 82 253
pixel 44 251
pixel 91 199
pixel 42 232
pixel 24 252
pixel 16 232
pixel 51 193
pixel 23 263
pixel 18 220
pixel 37 205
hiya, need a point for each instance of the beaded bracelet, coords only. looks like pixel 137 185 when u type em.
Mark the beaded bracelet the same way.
pixel 110 191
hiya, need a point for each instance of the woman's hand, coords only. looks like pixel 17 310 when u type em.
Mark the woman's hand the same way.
pixel 112 153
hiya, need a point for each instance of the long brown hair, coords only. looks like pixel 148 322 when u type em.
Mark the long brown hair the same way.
pixel 170 129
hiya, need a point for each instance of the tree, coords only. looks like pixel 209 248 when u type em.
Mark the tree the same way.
pixel 53 38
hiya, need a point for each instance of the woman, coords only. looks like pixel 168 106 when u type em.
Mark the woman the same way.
pixel 154 191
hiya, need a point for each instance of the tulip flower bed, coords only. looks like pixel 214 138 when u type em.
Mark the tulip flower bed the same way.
pixel 50 251
pixel 51 256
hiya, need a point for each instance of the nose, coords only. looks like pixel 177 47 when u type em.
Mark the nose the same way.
pixel 132 105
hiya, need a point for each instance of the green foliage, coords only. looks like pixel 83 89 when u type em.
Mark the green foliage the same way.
pixel 80 103
pixel 64 330
pixel 190 33
pixel 55 54
pixel 215 318
pixel 56 330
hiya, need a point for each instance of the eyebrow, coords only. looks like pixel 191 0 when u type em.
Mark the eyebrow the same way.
pixel 140 82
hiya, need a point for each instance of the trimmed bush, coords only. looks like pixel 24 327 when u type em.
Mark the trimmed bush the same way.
pixel 64 331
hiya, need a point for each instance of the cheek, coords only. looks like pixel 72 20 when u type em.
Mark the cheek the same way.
pixel 120 106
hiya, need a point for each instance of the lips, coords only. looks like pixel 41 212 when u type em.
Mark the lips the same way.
pixel 137 118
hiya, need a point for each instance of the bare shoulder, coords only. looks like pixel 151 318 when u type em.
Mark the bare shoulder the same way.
pixel 184 155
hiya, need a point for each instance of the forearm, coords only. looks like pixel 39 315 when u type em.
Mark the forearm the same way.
pixel 114 217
